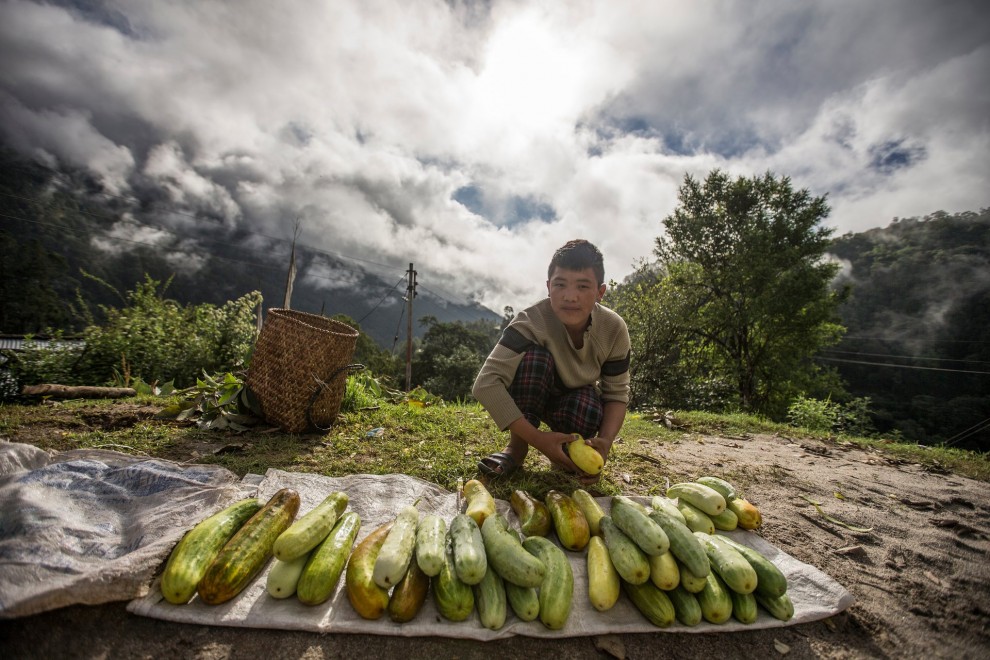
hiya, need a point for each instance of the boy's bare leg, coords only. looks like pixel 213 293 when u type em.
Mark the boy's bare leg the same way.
pixel 517 448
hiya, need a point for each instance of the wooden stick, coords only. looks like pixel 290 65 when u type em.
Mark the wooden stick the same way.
pixel 78 391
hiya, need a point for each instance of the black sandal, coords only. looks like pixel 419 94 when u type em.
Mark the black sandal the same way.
pixel 499 464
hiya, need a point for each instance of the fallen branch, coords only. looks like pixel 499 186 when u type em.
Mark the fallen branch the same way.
pixel 78 391
pixel 818 507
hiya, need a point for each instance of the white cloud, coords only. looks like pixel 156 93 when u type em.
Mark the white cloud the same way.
pixel 362 119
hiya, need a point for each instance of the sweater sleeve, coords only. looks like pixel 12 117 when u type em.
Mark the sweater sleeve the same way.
pixel 491 387
pixel 615 378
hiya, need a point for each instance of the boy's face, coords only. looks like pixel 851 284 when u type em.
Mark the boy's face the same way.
pixel 573 294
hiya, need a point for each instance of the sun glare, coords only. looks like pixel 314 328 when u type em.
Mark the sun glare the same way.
pixel 531 77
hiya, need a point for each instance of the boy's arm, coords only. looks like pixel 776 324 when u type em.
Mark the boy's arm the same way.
pixel 612 418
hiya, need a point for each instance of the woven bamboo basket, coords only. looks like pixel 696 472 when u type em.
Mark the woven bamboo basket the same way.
pixel 299 369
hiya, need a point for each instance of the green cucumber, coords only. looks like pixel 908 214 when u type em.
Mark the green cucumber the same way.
pixel 470 560
pixel 430 537
pixel 490 598
pixel 701 496
pixel 743 607
pixel 247 552
pixel 326 563
pixel 557 590
pixel 524 601
pixel 685 546
pixel 507 556
pixel 310 529
pixel 627 557
pixel 194 553
pixel 779 607
pixel 729 563
pixel 686 607
pixel 714 599
pixel 453 598
pixel 723 487
pixel 633 519
pixel 652 603
pixel 770 580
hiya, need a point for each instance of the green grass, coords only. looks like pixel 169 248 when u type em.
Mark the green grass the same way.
pixel 437 443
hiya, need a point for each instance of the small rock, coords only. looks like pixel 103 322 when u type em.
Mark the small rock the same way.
pixel 611 644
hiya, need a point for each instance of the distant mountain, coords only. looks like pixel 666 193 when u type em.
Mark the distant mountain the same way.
pixel 55 225
pixel 918 326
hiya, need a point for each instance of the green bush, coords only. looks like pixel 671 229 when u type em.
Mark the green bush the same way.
pixel 852 418
pixel 153 339
pixel 813 414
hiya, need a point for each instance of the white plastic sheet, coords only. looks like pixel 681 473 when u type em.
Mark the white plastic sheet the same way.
pixel 92 526
pixel 377 499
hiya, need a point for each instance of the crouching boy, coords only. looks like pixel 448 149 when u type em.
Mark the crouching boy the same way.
pixel 563 362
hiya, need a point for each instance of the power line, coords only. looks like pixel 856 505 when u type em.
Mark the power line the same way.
pixel 380 301
pixel 906 357
pixel 890 340
pixel 972 430
pixel 902 366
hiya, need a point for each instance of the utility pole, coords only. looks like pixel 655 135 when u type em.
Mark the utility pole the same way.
pixel 410 294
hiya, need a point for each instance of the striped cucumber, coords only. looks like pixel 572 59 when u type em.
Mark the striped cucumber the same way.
pixel 247 552
pixel 194 553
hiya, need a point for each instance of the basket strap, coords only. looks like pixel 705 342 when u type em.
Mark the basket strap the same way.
pixel 346 369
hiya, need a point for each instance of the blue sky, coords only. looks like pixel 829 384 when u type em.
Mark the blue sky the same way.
pixel 473 138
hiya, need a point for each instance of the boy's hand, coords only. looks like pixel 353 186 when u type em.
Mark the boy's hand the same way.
pixel 602 445
pixel 551 444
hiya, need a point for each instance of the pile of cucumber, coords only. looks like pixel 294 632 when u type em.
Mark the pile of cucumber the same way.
pixel 667 557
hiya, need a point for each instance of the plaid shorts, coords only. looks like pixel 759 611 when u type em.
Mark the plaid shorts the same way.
pixel 537 391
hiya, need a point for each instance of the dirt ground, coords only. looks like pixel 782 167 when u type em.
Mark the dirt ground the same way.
pixel 920 575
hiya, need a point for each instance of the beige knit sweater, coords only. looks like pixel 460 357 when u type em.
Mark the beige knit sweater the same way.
pixel 602 361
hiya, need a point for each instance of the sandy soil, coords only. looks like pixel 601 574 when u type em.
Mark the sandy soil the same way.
pixel 920 576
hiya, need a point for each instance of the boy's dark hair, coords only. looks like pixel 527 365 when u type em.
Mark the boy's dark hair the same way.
pixel 578 254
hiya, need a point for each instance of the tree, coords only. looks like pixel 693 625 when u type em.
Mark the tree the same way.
pixel 451 354
pixel 748 258
pixel 666 369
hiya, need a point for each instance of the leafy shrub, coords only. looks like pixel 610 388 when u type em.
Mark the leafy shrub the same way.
pixel 158 339
pixel 852 418
pixel 813 414
pixel 152 339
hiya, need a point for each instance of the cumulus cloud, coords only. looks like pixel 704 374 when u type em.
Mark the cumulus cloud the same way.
pixel 473 138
